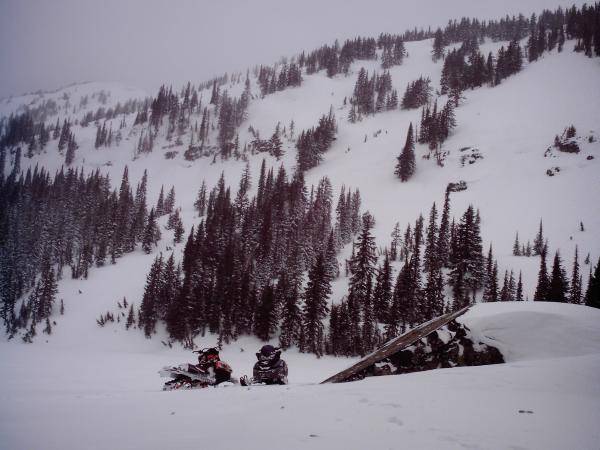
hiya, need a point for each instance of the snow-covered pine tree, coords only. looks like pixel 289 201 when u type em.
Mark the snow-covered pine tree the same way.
pixel 148 314
pixel 592 294
pixel 316 294
pixel 405 167
pixel 538 242
pixel 575 294
pixel 266 319
pixel 542 290
pixel 382 294
pixel 151 233
pixel 559 285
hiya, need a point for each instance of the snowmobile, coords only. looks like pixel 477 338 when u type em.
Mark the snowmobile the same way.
pixel 210 371
pixel 269 369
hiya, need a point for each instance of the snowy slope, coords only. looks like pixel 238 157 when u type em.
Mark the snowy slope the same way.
pixel 511 125
pixel 72 101
pixel 545 397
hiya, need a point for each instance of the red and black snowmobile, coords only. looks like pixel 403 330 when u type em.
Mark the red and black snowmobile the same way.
pixel 210 371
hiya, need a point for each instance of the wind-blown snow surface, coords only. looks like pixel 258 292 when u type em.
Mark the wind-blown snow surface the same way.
pixel 547 396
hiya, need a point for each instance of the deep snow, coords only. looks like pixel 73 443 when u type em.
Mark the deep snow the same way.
pixel 545 397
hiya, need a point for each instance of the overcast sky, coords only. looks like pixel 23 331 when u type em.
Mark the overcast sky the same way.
pixel 45 44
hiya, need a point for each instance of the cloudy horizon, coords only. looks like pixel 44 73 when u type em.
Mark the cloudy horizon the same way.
pixel 47 45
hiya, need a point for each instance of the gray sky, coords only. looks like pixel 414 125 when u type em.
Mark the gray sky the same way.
pixel 45 44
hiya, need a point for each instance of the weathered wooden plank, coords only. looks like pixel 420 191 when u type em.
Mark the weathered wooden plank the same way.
pixel 395 345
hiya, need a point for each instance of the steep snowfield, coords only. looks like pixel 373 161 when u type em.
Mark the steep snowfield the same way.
pixel 511 125
pixel 61 396
pixel 74 100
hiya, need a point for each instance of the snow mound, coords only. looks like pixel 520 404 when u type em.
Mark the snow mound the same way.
pixel 536 330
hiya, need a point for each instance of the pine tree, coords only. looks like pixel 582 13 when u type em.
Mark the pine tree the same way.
pixel 130 318
pixel 178 230
pixel 504 295
pixel 575 296
pixel 266 314
pixel 71 147
pixel 291 320
pixel 405 167
pixel 542 291
pixel 151 233
pixel 559 286
pixel 160 205
pixel 438 45
pixel 520 288
pixel 148 314
pixel 517 246
pixel 382 295
pixel 47 292
pixel 592 295
pixel 318 290
pixel 200 203
pixel 538 242
pixel 396 242
pixel 362 268
pixel 443 241
pixel 47 329
pixel 169 203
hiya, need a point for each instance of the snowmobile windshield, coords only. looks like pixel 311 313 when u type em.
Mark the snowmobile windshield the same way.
pixel 268 354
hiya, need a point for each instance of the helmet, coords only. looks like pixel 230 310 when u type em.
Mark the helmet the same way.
pixel 268 354
pixel 208 356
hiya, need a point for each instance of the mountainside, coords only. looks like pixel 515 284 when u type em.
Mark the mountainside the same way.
pixel 510 126
pixel 273 205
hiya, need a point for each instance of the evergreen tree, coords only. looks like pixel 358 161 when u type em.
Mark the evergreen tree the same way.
pixel 160 204
pixel 559 285
pixel 443 241
pixel 47 292
pixel 382 295
pixel 169 203
pixel 575 296
pixel 438 45
pixel 151 233
pixel 405 167
pixel 592 295
pixel 520 288
pixel 200 203
pixel 396 242
pixel 149 309
pixel 318 290
pixel 542 291
pixel 291 320
pixel 362 268
pixel 130 318
pixel 71 147
pixel 538 242
pixel 47 328
pixel 517 246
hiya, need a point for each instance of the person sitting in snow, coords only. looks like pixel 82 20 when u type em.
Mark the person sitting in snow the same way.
pixel 269 369
pixel 210 362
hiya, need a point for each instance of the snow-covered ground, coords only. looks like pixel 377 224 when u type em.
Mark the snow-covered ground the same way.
pixel 547 396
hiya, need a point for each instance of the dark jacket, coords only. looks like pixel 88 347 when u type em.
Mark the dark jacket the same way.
pixel 275 373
